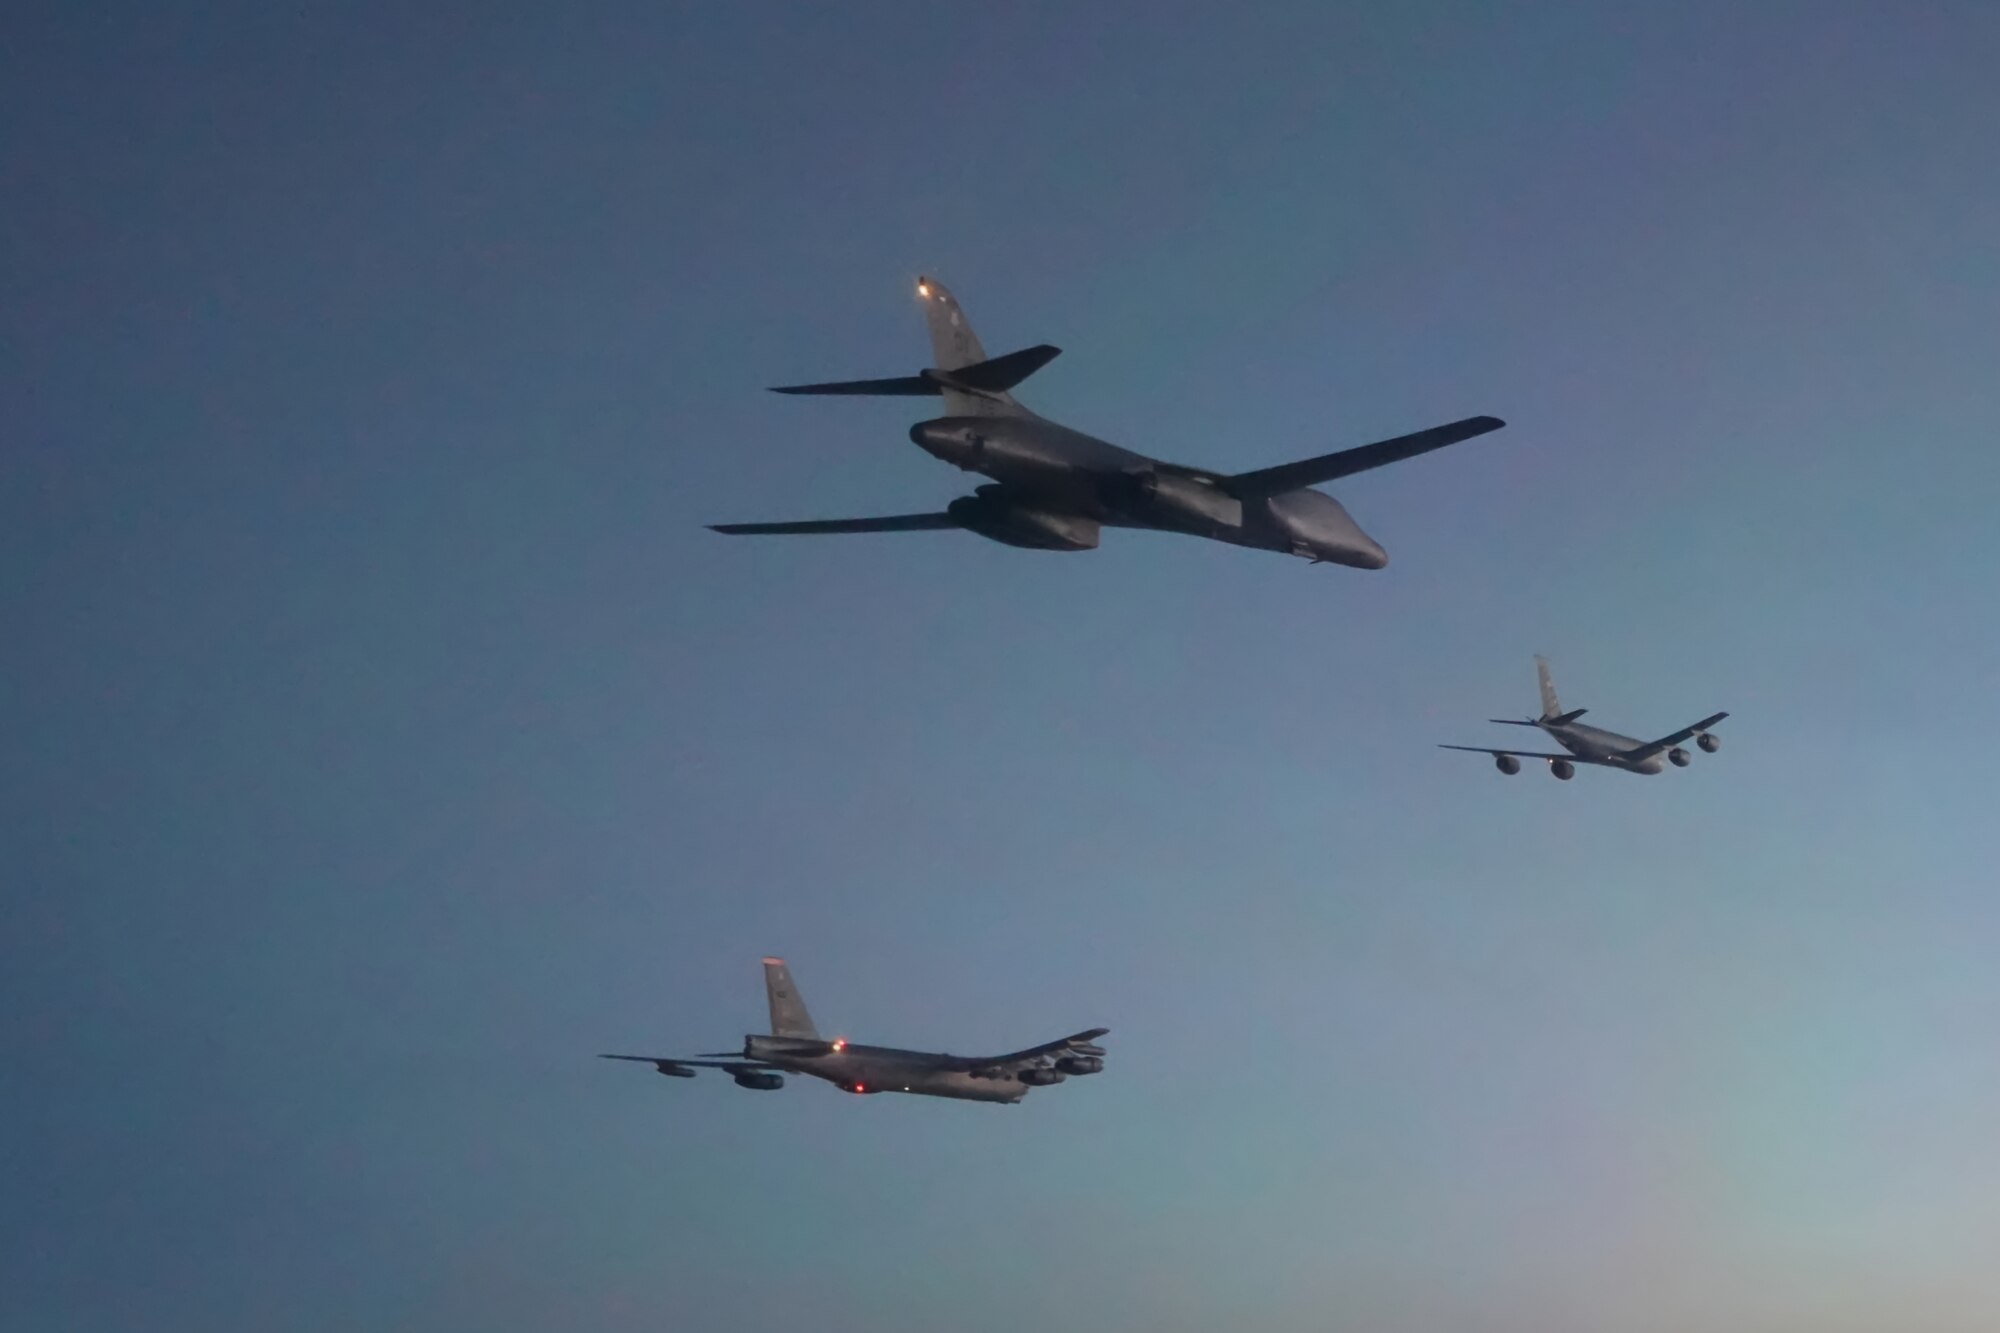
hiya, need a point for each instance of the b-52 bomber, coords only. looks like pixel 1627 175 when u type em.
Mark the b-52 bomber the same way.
pixel 1583 744
pixel 1054 489
pixel 794 1046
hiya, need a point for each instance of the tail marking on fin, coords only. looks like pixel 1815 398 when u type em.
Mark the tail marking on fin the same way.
pixel 788 1012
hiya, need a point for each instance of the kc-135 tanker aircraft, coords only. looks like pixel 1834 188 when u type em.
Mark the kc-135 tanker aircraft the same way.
pixel 1054 488
pixel 794 1046
pixel 1593 745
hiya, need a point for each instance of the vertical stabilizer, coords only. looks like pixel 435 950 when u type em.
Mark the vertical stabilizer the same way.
pixel 788 1012
pixel 955 346
pixel 1550 708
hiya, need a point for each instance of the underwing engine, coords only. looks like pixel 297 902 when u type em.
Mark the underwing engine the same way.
pixel 993 514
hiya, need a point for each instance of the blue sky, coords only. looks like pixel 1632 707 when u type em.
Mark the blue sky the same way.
pixel 387 735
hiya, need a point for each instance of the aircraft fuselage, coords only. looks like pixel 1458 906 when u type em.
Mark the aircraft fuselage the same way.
pixel 1052 471
pixel 1604 747
pixel 855 1068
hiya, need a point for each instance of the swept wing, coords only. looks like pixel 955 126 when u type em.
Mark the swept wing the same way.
pixel 1081 1043
pixel 685 1068
pixel 1331 467
pixel 1666 743
pixel 889 523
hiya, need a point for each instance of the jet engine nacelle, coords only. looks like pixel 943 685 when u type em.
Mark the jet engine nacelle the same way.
pixel 1679 758
pixel 1041 1078
pixel 1080 1064
pixel 758 1080
pixel 992 515
pixel 1563 769
pixel 671 1069
pixel 1709 744
pixel 1507 764
pixel 1175 500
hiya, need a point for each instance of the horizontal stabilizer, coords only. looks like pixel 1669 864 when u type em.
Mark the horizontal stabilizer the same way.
pixel 891 523
pixel 1331 467
pixel 983 377
pixel 1002 372
pixel 1564 719
pixel 908 386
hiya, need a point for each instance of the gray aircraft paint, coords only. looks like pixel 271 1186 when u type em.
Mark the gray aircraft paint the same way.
pixel 1053 488
pixel 1585 744
pixel 788 1012
pixel 794 1046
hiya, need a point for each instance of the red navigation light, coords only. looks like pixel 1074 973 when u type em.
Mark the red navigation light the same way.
pixel 839 1045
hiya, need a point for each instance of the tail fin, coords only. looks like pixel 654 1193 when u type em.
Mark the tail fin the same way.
pixel 1550 707
pixel 955 346
pixel 788 1012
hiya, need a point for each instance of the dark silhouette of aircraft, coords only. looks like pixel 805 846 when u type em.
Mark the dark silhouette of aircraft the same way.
pixel 794 1046
pixel 1585 744
pixel 1054 489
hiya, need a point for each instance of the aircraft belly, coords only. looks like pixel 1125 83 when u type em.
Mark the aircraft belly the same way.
pixel 963 1087
pixel 908 1071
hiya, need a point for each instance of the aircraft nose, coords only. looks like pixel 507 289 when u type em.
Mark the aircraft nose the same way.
pixel 1357 550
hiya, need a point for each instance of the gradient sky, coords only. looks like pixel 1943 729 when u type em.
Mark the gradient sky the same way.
pixel 385 735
